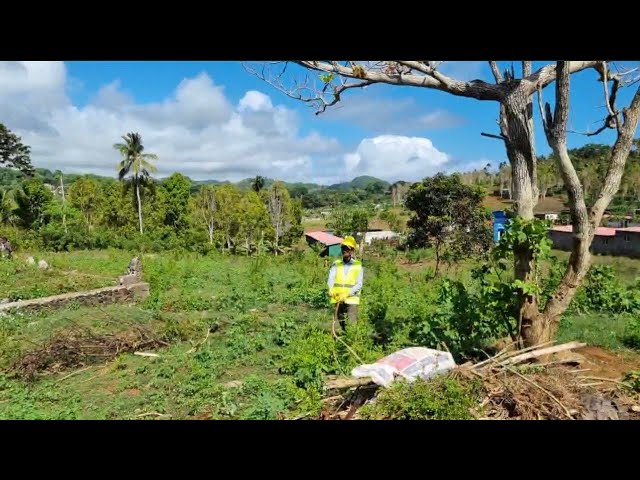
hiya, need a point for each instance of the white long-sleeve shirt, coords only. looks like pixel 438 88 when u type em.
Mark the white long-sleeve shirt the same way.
pixel 332 277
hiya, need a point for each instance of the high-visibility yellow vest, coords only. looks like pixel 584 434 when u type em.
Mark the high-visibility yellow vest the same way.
pixel 343 283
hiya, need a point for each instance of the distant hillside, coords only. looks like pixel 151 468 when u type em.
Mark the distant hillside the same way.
pixel 361 182
pixel 10 177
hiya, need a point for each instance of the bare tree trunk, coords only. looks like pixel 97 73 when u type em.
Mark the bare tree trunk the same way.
pixel 139 206
pixel 64 215
pixel 210 228
pixel 584 222
pixel 517 114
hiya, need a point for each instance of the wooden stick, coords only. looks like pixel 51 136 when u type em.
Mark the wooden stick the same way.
pixel 541 352
pixel 513 353
pixel 73 373
pixel 146 354
pixel 345 383
pixel 157 414
pixel 604 379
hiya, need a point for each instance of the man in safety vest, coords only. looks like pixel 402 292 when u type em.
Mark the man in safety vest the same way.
pixel 345 282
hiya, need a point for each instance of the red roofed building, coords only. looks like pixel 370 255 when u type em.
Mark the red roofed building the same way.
pixel 329 241
pixel 607 241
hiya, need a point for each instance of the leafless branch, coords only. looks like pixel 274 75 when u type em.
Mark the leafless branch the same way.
pixel 561 112
pixel 434 79
pixel 605 85
pixel 542 114
pixel 526 68
pixel 424 67
pixel 491 135
pixel 556 131
pixel 619 154
pixel 325 97
pixel 547 74
pixel 496 71
pixel 590 134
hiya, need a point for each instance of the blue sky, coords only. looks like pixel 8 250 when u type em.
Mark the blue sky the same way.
pixel 215 120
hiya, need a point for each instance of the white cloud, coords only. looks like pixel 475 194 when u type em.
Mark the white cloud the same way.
pixel 197 130
pixel 389 115
pixel 255 101
pixel 394 157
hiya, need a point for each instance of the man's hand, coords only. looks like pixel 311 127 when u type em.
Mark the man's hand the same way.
pixel 341 297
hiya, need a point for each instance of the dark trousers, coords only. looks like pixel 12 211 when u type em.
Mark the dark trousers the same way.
pixel 347 312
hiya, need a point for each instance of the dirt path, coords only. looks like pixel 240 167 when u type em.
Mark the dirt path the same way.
pixel 608 364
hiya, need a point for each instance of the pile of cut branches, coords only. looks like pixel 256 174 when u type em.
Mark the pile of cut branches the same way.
pixel 79 347
pixel 546 389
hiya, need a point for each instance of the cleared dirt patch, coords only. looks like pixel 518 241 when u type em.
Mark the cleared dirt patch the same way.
pixel 80 347
pixel 604 363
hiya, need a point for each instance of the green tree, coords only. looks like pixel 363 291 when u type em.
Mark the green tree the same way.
pixel 116 209
pixel 85 195
pixel 548 176
pixel 135 163
pixel 174 199
pixel 13 152
pixel 393 219
pixel 33 200
pixel 258 183
pixel 8 207
pixel 296 230
pixel 254 219
pixel 445 212
pixel 341 222
pixel 227 200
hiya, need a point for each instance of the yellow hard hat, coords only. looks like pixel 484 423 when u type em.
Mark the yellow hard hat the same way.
pixel 350 242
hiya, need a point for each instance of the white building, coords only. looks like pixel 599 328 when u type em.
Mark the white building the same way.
pixel 378 235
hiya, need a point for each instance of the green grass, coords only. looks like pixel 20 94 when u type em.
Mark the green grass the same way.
pixel 255 310
pixel 627 269
pixel 599 330
pixel 68 272
pixel 269 322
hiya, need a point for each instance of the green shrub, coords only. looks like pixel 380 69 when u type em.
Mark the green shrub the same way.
pixel 442 398
pixel 631 336
pixel 309 357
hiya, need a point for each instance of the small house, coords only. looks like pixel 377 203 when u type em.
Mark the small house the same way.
pixel 330 242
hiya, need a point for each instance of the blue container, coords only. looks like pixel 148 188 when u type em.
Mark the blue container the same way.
pixel 499 224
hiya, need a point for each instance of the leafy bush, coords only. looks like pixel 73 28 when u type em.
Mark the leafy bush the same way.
pixel 309 357
pixel 267 400
pixel 631 337
pixel 442 398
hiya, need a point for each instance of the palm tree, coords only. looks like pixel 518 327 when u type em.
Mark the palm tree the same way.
pixel 258 183
pixel 136 164
pixel 8 207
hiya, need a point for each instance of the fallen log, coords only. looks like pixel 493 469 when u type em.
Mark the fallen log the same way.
pixel 344 383
pixel 542 352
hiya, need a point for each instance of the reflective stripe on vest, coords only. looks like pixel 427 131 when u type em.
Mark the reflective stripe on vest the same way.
pixel 343 283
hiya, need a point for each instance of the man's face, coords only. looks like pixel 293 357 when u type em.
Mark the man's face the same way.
pixel 346 253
